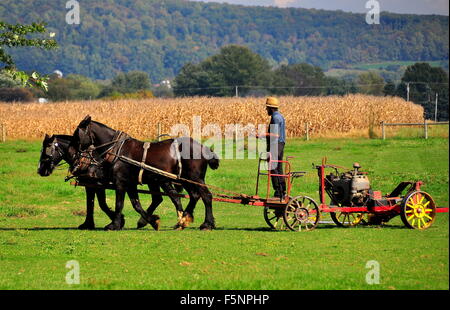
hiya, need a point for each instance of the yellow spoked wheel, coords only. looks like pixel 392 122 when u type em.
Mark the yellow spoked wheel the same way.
pixel 345 219
pixel 274 218
pixel 301 214
pixel 418 210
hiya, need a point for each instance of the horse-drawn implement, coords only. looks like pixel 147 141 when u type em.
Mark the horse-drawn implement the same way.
pixel 99 154
pixel 353 201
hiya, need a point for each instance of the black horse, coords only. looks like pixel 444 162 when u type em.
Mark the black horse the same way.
pixel 54 150
pixel 182 156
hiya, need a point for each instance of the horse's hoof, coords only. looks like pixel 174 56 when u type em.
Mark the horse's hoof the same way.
pixel 141 223
pixel 187 220
pixel 87 226
pixel 178 226
pixel 154 220
pixel 112 226
pixel 207 227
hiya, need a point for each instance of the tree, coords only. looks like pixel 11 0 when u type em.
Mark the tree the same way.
pixel 370 83
pixel 72 87
pixel 424 83
pixel 193 80
pixel 339 86
pixel 16 95
pixel 238 66
pixel 219 75
pixel 12 36
pixel 83 87
pixel 7 81
pixel 303 79
pixel 172 33
pixel 390 89
pixel 131 82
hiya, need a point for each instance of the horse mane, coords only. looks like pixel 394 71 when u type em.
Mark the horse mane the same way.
pixel 103 125
pixel 68 138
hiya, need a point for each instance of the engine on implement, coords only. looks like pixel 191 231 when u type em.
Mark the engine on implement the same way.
pixel 351 188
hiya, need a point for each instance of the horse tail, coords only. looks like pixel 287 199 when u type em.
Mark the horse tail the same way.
pixel 193 147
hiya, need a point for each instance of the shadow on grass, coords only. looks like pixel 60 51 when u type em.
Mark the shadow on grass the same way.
pixel 61 228
pixel 257 229
pixel 319 227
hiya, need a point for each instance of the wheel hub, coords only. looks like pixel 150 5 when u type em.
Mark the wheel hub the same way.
pixel 301 214
pixel 419 211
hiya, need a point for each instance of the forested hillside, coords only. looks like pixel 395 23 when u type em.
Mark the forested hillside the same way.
pixel 159 37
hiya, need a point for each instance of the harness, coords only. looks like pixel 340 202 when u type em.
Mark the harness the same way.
pixel 113 153
pixel 143 165
pixel 87 157
pixel 144 157
pixel 178 157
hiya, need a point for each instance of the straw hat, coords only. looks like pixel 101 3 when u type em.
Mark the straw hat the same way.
pixel 272 102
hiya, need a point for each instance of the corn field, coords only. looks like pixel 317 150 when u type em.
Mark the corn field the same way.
pixel 352 115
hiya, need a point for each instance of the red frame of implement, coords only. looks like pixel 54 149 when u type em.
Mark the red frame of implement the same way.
pixel 393 206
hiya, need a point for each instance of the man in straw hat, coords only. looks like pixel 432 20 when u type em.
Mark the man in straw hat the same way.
pixel 276 139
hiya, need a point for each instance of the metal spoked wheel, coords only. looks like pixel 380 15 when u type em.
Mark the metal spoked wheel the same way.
pixel 301 213
pixel 418 210
pixel 345 219
pixel 274 217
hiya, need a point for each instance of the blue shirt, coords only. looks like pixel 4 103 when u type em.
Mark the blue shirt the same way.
pixel 278 126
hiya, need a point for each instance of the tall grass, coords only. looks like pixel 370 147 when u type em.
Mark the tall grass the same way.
pixel 352 115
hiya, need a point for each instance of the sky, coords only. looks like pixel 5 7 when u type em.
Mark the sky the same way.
pixel 440 7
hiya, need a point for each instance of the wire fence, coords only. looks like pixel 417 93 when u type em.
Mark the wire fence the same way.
pixel 434 106
pixel 426 125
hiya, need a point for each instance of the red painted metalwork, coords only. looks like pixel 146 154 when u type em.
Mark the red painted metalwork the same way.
pixel 287 174
pixel 394 203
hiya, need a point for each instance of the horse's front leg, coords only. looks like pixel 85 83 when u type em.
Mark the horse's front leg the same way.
pixel 89 221
pixel 117 219
pixel 101 197
pixel 134 198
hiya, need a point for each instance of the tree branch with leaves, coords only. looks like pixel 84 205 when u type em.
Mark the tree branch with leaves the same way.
pixel 18 35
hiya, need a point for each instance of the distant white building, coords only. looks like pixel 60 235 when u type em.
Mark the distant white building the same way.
pixel 43 100
pixel 58 73
pixel 166 83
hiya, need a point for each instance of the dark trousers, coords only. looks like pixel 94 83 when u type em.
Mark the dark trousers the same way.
pixel 278 183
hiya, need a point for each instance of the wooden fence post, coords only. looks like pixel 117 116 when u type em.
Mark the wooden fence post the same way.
pixel 159 131
pixel 3 132
pixel 307 131
pixel 383 132
pixel 425 125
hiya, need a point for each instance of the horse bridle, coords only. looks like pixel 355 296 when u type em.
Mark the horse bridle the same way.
pixel 50 150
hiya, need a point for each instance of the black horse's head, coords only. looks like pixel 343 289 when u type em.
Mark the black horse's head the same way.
pixel 89 133
pixel 87 158
pixel 51 155
pixel 82 137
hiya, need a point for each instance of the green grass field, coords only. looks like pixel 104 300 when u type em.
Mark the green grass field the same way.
pixel 39 216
